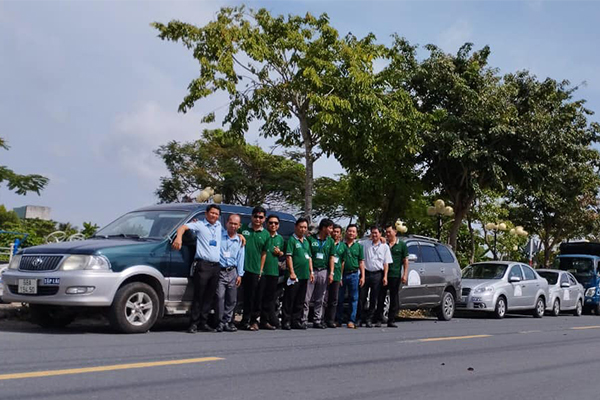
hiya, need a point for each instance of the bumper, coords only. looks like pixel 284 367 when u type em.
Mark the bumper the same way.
pixel 591 301
pixel 104 286
pixel 476 303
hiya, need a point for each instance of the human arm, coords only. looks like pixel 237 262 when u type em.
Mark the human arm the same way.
pixel 405 274
pixel 263 258
pixel 310 268
pixel 361 266
pixel 331 268
pixel 177 242
pixel 290 265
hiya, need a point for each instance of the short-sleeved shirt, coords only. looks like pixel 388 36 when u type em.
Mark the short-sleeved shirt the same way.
pixel 376 255
pixel 232 252
pixel 272 261
pixel 256 243
pixel 399 253
pixel 208 239
pixel 339 253
pixel 300 253
pixel 354 255
pixel 321 251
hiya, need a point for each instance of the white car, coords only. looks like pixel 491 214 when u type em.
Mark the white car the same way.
pixel 3 267
pixel 565 293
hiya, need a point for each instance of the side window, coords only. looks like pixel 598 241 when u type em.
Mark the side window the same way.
pixel 564 279
pixel 428 253
pixel 286 229
pixel 444 253
pixel 515 271
pixel 413 249
pixel 199 217
pixel 529 274
pixel 572 280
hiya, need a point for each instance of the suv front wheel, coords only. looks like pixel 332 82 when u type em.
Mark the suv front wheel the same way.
pixel 445 311
pixel 134 309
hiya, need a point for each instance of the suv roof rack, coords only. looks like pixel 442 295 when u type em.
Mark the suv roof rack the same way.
pixel 423 237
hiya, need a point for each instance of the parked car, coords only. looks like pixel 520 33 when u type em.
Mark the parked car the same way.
pixel 499 287
pixel 127 269
pixel 564 292
pixel 3 268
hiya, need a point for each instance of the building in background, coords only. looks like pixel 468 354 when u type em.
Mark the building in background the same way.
pixel 30 212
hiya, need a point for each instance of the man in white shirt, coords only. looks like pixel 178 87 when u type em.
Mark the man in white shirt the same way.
pixel 377 258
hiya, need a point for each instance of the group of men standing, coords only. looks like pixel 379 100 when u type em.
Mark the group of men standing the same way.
pixel 319 269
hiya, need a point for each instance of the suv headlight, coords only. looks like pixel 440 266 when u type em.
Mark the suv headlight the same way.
pixel 590 292
pixel 487 289
pixel 14 263
pixel 88 263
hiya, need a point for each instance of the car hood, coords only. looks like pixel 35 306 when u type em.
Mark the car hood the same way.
pixel 473 283
pixel 89 246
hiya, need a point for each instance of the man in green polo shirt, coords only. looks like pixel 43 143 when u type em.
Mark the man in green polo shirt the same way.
pixel 256 242
pixel 335 276
pixel 353 275
pixel 397 275
pixel 321 247
pixel 267 287
pixel 299 273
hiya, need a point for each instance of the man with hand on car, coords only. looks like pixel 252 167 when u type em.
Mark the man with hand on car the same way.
pixel 230 277
pixel 206 267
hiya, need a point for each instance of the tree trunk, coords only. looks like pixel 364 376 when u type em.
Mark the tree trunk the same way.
pixel 309 162
pixel 461 208
pixel 472 235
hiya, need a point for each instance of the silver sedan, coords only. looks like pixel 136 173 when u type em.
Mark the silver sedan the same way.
pixel 498 287
pixel 565 293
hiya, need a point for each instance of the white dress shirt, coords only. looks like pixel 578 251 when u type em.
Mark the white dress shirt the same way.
pixel 376 255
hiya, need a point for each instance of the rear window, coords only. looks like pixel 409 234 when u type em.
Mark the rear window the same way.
pixel 551 277
pixel 429 254
pixel 445 254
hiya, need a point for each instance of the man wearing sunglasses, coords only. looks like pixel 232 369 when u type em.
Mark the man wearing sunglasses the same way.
pixel 256 242
pixel 267 287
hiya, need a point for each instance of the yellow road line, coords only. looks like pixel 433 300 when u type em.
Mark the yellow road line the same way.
pixel 115 367
pixel 439 339
pixel 580 328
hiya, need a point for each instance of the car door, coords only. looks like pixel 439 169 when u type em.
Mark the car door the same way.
pixel 515 292
pixel 432 277
pixel 574 290
pixel 180 282
pixel 566 293
pixel 530 286
pixel 412 294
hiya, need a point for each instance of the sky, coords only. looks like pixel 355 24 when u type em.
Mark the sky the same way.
pixel 88 91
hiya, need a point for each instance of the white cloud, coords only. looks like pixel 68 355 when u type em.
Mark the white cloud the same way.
pixel 455 36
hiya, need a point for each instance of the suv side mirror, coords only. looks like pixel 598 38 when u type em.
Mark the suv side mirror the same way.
pixel 412 257
pixel 565 285
pixel 514 279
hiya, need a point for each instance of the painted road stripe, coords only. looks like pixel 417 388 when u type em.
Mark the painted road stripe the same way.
pixel 439 339
pixel 116 367
pixel 580 328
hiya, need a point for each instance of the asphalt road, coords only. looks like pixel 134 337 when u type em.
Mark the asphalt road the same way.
pixel 466 358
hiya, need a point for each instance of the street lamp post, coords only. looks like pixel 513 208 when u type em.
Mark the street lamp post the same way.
pixel 439 209
pixel 490 226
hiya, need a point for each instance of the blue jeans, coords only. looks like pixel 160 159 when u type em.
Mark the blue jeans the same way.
pixel 349 282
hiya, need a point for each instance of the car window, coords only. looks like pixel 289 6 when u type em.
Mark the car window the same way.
pixel 515 271
pixel 564 279
pixel 429 254
pixel 528 272
pixel 550 276
pixel 286 228
pixel 444 253
pixel 572 280
pixel 413 248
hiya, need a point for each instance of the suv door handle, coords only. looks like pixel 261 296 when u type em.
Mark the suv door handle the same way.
pixel 442 269
pixel 422 270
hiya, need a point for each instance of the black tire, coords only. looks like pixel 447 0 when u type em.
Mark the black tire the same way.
pixel 587 311
pixel 597 309
pixel 445 311
pixel 500 309
pixel 555 312
pixel 134 308
pixel 540 308
pixel 579 309
pixel 50 317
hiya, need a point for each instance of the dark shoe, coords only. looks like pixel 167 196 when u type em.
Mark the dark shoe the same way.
pixel 245 327
pixel 299 326
pixel 377 325
pixel 392 325
pixel 205 328
pixel 338 324
pixel 331 325
pixel 219 328
pixel 229 328
pixel 319 326
pixel 286 327
pixel 254 327
pixel 192 329
pixel 268 327
pixel 368 324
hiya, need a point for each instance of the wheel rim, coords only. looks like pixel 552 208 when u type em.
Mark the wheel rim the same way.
pixel 501 307
pixel 579 308
pixel 448 306
pixel 556 307
pixel 138 308
pixel 540 307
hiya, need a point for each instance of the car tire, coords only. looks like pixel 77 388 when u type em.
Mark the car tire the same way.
pixel 540 308
pixel 597 309
pixel 445 311
pixel 500 309
pixel 134 308
pixel 50 317
pixel 579 309
pixel 555 312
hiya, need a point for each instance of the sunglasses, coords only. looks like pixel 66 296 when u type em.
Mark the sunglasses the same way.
pixel 273 223
pixel 258 216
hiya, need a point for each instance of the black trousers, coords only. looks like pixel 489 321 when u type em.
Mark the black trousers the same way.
pixel 206 280
pixel 333 291
pixel 267 293
pixel 251 298
pixel 393 287
pixel 293 303
pixel 370 290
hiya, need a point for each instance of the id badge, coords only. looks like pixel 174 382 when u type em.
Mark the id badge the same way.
pixel 212 243
pixel 320 256
pixel 307 256
pixel 336 259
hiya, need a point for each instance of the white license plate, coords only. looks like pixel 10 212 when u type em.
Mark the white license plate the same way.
pixel 27 286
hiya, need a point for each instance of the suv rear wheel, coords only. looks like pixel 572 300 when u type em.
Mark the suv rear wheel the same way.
pixel 445 311
pixel 134 309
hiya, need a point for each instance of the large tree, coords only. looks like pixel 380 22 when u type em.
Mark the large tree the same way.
pixel 243 173
pixel 21 184
pixel 278 70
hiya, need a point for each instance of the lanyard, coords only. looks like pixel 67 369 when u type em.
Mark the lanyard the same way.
pixel 212 229
pixel 321 243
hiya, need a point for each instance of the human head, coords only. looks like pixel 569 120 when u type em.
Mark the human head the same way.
pixel 272 223
pixel 301 227
pixel 233 224
pixel 258 216
pixel 212 213
pixel 326 226
pixel 336 232
pixel 351 232
pixel 375 233
pixel 390 232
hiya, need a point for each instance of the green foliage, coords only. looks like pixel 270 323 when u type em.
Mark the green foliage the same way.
pixel 89 229
pixel 243 173
pixel 20 184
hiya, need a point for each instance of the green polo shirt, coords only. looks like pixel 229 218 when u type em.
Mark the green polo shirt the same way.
pixel 399 253
pixel 272 261
pixel 256 243
pixel 321 251
pixel 300 252
pixel 339 254
pixel 354 255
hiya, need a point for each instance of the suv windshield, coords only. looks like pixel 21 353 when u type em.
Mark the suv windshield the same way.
pixel 143 224
pixel 551 277
pixel 581 267
pixel 484 271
